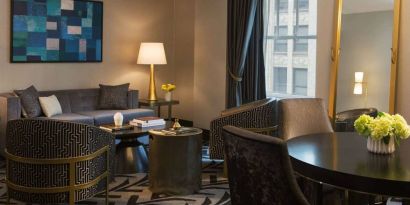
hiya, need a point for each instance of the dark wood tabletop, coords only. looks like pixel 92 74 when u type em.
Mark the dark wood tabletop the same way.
pixel 341 159
pixel 139 131
pixel 159 102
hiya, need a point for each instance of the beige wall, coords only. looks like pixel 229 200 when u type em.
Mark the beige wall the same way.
pixel 126 24
pixel 184 58
pixel 210 60
pixel 324 43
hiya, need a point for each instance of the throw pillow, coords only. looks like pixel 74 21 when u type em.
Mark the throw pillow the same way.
pixel 114 97
pixel 29 102
pixel 50 105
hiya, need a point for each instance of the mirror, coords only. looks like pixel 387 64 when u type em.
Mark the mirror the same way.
pixel 363 71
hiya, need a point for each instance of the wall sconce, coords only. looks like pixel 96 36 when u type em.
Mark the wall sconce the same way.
pixel 358 83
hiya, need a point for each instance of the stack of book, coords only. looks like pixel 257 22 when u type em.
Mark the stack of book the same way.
pixel 147 122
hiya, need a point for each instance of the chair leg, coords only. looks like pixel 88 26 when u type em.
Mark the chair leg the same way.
pixel 107 191
pixel 346 197
pixel 8 198
pixel 319 193
pixel 225 171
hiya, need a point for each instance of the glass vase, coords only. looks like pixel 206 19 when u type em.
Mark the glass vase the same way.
pixel 168 96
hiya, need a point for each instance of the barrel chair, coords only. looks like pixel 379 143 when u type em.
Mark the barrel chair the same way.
pixel 259 169
pixel 51 161
pixel 258 116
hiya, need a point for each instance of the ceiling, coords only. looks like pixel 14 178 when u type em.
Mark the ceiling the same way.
pixel 363 6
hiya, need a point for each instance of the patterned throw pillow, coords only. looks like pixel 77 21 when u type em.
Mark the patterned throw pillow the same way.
pixel 29 102
pixel 114 97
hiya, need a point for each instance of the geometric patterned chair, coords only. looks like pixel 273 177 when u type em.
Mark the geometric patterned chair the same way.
pixel 259 169
pixel 52 161
pixel 258 115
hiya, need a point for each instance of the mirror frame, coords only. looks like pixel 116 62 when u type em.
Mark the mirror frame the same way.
pixel 335 57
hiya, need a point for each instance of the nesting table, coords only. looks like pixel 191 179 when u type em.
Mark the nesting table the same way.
pixel 158 103
pixel 131 156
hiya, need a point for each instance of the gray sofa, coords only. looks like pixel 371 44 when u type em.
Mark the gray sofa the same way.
pixel 78 106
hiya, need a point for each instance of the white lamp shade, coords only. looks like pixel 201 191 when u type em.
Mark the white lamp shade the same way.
pixel 358 77
pixel 152 53
pixel 358 88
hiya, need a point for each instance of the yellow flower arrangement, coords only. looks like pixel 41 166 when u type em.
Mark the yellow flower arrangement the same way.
pixel 383 127
pixel 168 87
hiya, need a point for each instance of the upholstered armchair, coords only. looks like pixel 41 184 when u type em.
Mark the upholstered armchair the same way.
pixel 345 120
pixel 258 114
pixel 259 169
pixel 52 161
pixel 302 116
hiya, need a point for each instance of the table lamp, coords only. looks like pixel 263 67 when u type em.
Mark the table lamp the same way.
pixel 152 54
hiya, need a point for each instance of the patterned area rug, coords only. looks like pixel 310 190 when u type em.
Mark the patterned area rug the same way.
pixel 133 189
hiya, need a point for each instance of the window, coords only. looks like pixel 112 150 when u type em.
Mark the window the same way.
pixel 281 43
pixel 283 5
pixel 301 38
pixel 302 5
pixel 280 79
pixel 300 79
pixel 290 50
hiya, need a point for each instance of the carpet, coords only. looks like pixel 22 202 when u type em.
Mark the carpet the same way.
pixel 133 189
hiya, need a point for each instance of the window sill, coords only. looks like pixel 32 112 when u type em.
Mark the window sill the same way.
pixel 284 96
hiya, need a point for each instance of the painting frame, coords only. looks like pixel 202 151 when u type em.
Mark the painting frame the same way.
pixel 98 49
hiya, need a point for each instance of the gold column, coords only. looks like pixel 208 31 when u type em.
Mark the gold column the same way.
pixel 152 94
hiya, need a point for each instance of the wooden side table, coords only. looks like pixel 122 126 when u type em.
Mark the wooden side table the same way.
pixel 157 104
pixel 175 163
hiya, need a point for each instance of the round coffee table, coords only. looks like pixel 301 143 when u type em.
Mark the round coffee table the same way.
pixel 175 162
pixel 131 156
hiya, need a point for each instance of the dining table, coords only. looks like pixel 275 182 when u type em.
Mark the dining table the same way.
pixel 341 159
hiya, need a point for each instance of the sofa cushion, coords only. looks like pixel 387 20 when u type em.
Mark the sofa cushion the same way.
pixel 62 97
pixel 73 117
pixel 114 97
pixel 50 105
pixel 102 117
pixel 29 102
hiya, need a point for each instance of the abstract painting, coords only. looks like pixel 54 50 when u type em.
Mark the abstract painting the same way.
pixel 56 31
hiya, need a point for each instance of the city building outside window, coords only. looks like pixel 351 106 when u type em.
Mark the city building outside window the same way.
pixel 290 50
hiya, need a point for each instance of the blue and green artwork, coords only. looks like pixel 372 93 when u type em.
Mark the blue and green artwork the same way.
pixel 56 31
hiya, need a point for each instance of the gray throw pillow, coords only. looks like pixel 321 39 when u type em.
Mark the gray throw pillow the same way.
pixel 114 97
pixel 29 102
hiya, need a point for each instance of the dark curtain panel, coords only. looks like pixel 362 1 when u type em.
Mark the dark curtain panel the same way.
pixel 253 80
pixel 245 71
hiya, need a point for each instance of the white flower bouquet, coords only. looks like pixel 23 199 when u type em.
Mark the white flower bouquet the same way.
pixel 384 129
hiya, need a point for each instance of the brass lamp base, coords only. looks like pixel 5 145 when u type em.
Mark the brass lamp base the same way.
pixel 152 93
